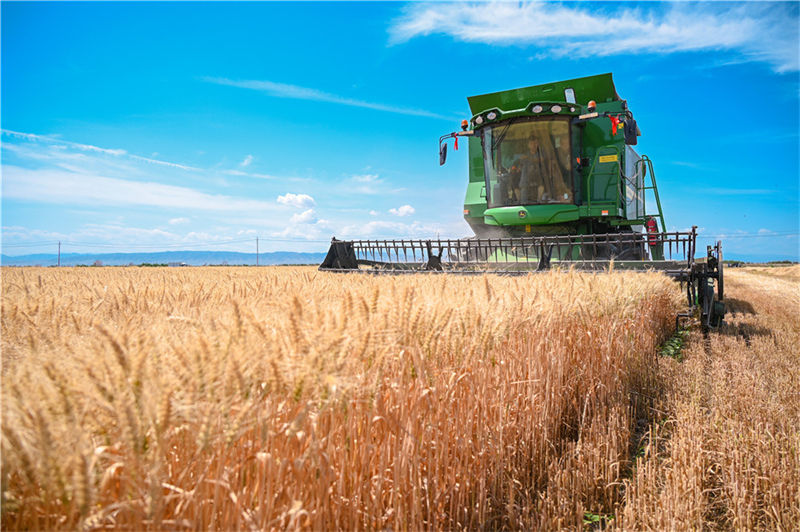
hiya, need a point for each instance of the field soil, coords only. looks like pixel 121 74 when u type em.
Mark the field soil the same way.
pixel 286 398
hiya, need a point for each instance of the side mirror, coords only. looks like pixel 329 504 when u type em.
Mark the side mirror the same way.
pixel 442 153
pixel 631 132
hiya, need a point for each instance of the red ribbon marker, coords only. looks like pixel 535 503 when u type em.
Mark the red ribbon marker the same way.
pixel 614 124
pixel 455 146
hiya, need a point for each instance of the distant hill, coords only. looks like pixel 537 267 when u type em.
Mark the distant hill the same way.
pixel 191 258
pixel 202 258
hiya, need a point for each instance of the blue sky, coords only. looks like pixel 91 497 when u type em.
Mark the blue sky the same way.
pixel 158 126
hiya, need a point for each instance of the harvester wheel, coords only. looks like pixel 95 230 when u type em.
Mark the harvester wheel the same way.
pixel 712 309
pixel 719 313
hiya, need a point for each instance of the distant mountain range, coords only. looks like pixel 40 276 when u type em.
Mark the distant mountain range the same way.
pixel 232 258
pixel 190 258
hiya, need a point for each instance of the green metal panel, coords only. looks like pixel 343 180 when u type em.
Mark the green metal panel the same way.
pixel 475 202
pixel 599 88
pixel 533 214
pixel 475 160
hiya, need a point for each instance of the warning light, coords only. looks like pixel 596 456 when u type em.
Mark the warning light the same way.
pixel 603 213
pixel 466 211
pixel 464 125
pixel 592 105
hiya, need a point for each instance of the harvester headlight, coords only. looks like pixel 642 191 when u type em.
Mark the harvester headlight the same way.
pixel 492 115
pixel 571 109
pixel 537 109
pixel 479 120
pixel 556 108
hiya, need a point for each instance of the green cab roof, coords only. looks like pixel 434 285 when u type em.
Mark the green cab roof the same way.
pixel 599 88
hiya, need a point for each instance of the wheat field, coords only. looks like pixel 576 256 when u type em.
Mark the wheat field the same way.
pixel 286 398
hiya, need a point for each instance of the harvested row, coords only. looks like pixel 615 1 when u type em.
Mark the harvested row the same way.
pixel 285 398
pixel 727 453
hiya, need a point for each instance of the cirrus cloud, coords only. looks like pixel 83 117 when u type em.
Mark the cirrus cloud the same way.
pixel 758 31
pixel 285 90
pixel 58 186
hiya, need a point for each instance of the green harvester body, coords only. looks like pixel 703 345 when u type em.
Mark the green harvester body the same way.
pixel 606 178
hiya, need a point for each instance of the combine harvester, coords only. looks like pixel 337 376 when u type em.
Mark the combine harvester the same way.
pixel 553 182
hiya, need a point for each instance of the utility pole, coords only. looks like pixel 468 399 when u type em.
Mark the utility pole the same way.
pixel 256 251
pixel 59 253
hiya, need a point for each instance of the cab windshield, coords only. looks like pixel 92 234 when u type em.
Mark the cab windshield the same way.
pixel 528 163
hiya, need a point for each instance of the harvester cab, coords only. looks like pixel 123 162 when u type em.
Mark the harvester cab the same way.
pixel 541 163
pixel 553 179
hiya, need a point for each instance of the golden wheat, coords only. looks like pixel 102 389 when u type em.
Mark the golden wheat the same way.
pixel 274 398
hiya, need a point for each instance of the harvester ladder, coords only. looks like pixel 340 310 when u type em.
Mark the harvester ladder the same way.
pixel 647 163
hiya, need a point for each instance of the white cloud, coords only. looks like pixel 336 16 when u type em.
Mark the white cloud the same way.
pixel 366 184
pixel 381 228
pixel 765 232
pixel 318 230
pixel 366 178
pixel 178 221
pixel 59 143
pixel 373 213
pixel 721 191
pixel 283 90
pixel 305 217
pixel 763 32
pixel 405 210
pixel 687 164
pixel 107 237
pixel 84 158
pixel 248 174
pixel 135 235
pixel 301 201
pixel 59 186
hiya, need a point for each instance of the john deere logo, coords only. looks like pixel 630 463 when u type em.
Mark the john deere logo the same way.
pixel 523 214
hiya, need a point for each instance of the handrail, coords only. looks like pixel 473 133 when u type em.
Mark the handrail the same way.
pixel 645 160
